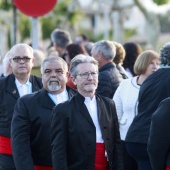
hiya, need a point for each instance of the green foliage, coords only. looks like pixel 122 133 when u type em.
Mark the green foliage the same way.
pixel 160 2
pixel 6 4
pixel 24 26
pixel 91 36
pixel 129 33
pixel 47 26
pixel 62 16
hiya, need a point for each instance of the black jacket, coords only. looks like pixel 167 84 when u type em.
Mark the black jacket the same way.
pixel 153 90
pixel 31 130
pixel 159 139
pixel 73 134
pixel 8 97
pixel 109 80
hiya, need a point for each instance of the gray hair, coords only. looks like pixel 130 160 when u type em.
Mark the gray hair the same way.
pixel 61 38
pixel 51 59
pixel 165 54
pixel 106 47
pixel 26 46
pixel 78 60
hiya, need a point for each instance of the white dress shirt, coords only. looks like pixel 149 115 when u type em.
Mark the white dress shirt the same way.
pixel 59 98
pixel 91 105
pixel 23 88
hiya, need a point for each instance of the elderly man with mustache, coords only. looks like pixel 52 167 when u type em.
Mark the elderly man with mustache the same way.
pixel 31 120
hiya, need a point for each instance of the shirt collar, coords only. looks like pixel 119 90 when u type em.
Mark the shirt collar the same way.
pixel 89 100
pixel 18 84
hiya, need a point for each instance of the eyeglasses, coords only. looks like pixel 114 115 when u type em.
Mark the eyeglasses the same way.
pixel 86 75
pixel 18 59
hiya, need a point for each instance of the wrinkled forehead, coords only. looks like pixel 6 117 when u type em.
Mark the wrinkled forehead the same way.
pixel 85 67
pixel 53 65
pixel 21 51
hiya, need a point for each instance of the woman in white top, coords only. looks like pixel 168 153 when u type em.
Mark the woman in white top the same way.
pixel 126 97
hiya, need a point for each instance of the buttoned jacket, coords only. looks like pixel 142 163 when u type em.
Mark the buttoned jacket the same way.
pixel 31 130
pixel 9 95
pixel 73 134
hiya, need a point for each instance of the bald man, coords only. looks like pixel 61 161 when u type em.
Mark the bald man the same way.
pixel 12 87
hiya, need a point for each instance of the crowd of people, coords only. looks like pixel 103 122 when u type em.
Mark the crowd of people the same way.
pixel 85 105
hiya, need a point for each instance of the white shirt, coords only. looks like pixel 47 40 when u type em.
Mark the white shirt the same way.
pixel 23 88
pixel 126 101
pixel 92 108
pixel 59 98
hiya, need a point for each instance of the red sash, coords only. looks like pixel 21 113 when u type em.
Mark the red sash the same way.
pixel 100 158
pixel 5 145
pixel 36 167
pixel 167 168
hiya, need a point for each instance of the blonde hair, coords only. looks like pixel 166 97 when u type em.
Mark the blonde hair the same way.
pixel 143 60
pixel 120 53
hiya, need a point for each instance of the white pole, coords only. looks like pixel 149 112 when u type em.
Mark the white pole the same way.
pixel 106 21
pixel 34 32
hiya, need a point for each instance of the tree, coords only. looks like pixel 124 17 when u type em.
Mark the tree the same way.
pixel 160 2
pixel 153 25
pixel 64 15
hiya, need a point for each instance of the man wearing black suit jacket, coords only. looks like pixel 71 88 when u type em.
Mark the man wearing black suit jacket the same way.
pixel 84 130
pixel 32 117
pixel 15 85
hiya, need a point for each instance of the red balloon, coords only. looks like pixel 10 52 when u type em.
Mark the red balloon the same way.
pixel 35 8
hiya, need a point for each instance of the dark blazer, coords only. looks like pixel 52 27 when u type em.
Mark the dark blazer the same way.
pixel 109 80
pixel 159 139
pixel 8 97
pixel 153 90
pixel 73 134
pixel 31 130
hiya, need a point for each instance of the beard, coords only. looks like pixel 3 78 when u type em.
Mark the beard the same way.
pixel 54 84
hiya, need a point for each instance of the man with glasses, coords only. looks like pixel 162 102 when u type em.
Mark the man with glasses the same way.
pixel 84 130
pixel 15 85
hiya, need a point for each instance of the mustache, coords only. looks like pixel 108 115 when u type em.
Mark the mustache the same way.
pixel 54 79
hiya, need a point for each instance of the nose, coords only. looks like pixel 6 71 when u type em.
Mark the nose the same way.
pixel 90 76
pixel 22 61
pixel 53 74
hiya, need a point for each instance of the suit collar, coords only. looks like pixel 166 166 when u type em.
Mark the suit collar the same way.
pixel 82 108
pixel 84 111
pixel 11 86
pixel 44 100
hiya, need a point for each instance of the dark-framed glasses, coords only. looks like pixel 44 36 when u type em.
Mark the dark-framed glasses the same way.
pixel 18 59
pixel 87 74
